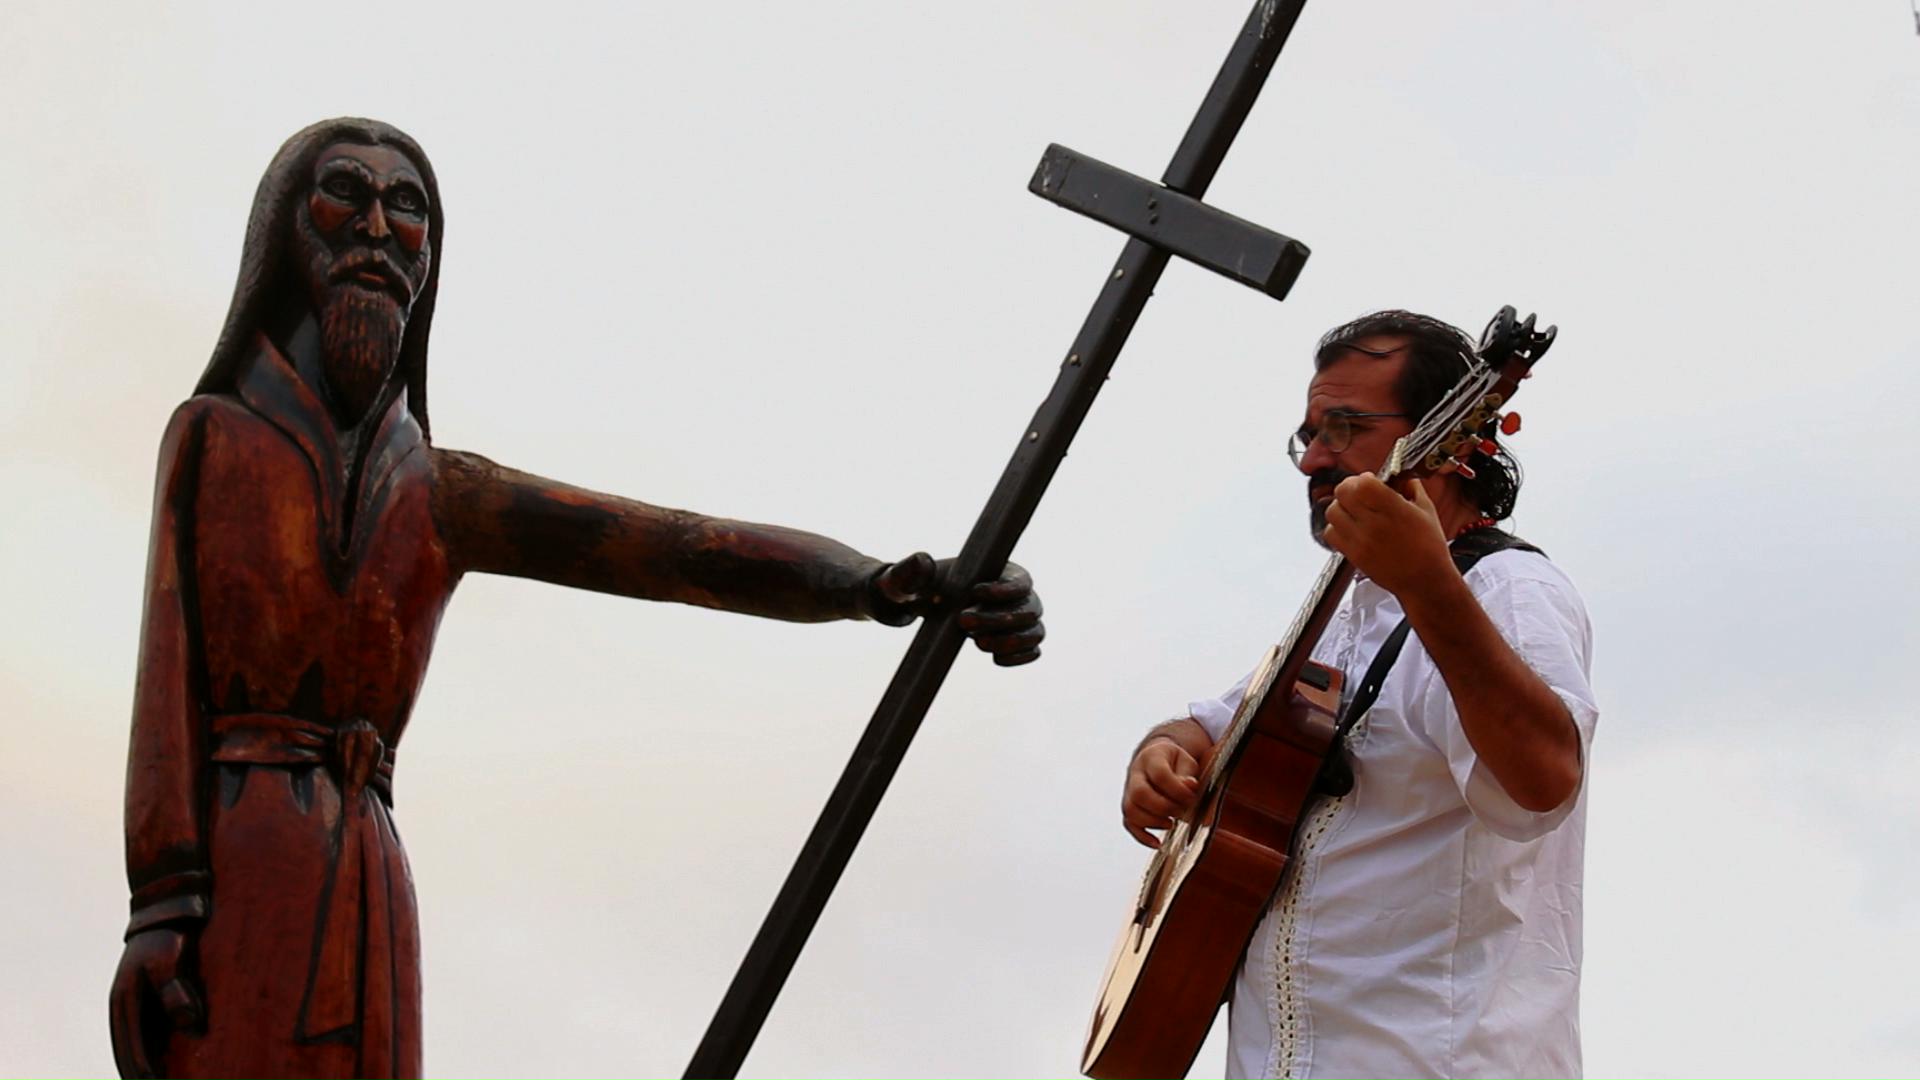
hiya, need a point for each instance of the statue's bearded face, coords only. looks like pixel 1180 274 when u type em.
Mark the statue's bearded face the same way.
pixel 361 243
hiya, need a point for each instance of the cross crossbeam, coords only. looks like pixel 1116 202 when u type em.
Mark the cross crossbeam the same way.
pixel 1207 235
pixel 1227 245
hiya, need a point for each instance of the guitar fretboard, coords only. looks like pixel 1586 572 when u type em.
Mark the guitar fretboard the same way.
pixel 1273 664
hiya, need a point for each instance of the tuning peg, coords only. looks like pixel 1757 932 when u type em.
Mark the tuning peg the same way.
pixel 1463 469
pixel 1510 424
pixel 1489 447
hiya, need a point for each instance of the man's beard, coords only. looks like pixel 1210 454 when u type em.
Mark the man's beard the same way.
pixel 1323 482
pixel 360 331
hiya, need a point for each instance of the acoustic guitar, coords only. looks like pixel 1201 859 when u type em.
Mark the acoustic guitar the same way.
pixel 1217 870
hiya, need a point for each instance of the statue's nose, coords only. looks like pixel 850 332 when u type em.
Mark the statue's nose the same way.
pixel 376 221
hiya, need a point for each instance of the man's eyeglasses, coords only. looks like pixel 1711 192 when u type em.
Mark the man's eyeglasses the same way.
pixel 1336 433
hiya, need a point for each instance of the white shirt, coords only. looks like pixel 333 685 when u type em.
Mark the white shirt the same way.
pixel 1430 926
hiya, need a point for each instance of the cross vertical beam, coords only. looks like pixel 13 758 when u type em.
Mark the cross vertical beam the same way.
pixel 1036 457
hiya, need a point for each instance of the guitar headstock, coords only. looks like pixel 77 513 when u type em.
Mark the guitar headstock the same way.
pixel 1468 420
pixel 1511 346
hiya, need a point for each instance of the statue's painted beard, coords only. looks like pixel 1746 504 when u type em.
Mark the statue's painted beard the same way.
pixel 360 331
pixel 362 294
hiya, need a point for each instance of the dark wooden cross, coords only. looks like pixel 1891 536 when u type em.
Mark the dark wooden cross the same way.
pixel 1162 220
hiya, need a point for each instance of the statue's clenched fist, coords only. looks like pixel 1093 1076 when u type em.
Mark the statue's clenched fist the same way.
pixel 1003 617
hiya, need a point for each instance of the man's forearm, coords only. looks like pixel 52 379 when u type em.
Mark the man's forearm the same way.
pixel 1517 725
pixel 1184 732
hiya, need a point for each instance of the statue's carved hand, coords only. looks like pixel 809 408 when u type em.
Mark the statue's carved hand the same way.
pixel 153 994
pixel 1003 617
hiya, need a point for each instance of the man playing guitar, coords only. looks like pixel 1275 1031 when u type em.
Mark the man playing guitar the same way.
pixel 1429 923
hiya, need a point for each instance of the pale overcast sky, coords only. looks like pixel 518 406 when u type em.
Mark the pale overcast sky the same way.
pixel 778 262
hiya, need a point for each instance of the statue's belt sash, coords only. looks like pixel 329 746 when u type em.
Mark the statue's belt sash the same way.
pixel 362 765
pixel 353 752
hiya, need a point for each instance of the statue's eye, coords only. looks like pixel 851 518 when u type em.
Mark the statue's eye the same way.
pixel 407 200
pixel 342 187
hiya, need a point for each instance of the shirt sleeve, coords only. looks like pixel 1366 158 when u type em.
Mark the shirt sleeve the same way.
pixel 1215 714
pixel 1538 612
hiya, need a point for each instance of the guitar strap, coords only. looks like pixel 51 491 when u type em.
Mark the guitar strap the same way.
pixel 1336 772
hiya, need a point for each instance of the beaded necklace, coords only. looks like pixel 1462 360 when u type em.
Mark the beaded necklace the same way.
pixel 1480 523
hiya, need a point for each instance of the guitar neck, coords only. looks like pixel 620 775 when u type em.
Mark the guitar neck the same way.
pixel 1284 661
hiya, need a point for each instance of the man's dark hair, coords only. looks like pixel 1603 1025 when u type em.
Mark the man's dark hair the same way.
pixel 1437 355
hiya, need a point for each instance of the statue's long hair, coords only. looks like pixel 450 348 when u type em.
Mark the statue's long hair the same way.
pixel 264 264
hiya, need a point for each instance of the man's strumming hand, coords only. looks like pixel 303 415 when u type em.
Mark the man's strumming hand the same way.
pixel 1163 779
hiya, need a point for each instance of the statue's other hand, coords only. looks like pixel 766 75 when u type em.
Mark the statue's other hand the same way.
pixel 1002 616
pixel 152 995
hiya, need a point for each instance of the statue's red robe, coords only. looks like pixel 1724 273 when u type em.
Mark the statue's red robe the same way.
pixel 291 607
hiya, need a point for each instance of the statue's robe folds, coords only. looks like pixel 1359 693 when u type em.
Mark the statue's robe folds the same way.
pixel 287 628
pixel 291 607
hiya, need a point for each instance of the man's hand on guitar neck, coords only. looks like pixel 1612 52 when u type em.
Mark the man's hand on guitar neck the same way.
pixel 1393 534
pixel 1518 726
pixel 1163 780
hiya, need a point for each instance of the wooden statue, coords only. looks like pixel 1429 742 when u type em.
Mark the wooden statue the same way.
pixel 307 535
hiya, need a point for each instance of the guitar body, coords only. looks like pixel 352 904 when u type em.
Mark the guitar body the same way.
pixel 1208 887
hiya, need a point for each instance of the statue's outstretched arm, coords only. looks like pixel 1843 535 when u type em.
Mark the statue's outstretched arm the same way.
pixel 498 520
